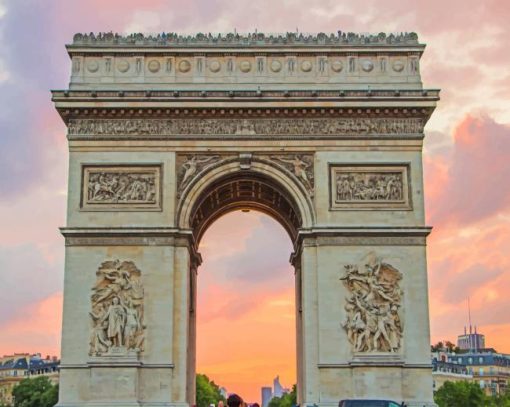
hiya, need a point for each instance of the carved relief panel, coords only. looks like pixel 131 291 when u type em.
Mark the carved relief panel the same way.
pixel 300 165
pixel 371 187
pixel 121 187
pixel 373 320
pixel 117 310
pixel 190 165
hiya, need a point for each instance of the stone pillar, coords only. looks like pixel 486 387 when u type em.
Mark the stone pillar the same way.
pixel 192 341
pixel 390 355
pixel 92 374
pixel 299 325
pixel 309 333
pixel 182 330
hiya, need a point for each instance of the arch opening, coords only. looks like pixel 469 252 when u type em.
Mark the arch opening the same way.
pixel 262 188
pixel 247 190
pixel 245 305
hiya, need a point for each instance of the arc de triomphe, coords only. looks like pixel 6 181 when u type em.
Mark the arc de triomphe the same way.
pixel 166 134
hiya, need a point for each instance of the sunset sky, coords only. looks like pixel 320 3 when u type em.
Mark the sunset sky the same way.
pixel 246 284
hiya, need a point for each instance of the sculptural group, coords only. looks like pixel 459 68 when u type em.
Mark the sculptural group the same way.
pixel 117 310
pixel 373 322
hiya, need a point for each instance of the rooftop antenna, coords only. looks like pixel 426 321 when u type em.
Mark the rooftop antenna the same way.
pixel 469 316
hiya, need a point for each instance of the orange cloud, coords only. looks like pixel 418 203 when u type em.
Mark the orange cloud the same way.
pixel 247 353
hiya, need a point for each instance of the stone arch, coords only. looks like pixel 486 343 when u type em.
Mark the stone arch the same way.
pixel 269 183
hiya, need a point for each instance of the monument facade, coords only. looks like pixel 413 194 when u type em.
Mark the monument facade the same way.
pixel 166 134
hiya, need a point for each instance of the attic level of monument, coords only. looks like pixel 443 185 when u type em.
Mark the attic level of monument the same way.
pixel 208 62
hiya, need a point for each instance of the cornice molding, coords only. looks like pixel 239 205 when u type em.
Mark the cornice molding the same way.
pixel 205 94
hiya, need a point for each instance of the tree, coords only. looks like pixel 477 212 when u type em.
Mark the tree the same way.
pixel 437 347
pixel 444 346
pixel 451 347
pixel 460 394
pixel 38 392
pixel 501 400
pixel 207 391
pixel 286 400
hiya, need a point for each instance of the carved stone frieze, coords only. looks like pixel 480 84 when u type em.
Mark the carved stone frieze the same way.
pixel 370 187
pixel 300 165
pixel 121 187
pixel 373 306
pixel 117 310
pixel 207 127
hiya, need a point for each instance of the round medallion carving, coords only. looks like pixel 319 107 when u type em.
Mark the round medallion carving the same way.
pixel 184 66
pixel 398 65
pixel 123 66
pixel 214 66
pixel 92 66
pixel 245 66
pixel 337 66
pixel 306 66
pixel 154 66
pixel 367 65
pixel 276 66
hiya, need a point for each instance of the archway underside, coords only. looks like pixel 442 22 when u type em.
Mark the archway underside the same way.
pixel 245 191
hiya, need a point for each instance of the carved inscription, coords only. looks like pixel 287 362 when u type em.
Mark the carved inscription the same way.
pixel 117 310
pixel 245 127
pixel 373 322
pixel 301 166
pixel 369 187
pixel 117 187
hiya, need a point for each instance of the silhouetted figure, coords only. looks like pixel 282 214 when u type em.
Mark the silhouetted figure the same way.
pixel 235 400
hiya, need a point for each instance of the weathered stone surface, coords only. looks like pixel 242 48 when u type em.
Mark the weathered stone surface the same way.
pixel 324 133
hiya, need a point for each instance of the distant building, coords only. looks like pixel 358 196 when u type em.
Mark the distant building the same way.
pixel 489 368
pixel 277 387
pixel 14 368
pixel 471 341
pixel 444 371
pixel 267 395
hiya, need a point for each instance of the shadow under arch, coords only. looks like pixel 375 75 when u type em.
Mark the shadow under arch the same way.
pixel 226 187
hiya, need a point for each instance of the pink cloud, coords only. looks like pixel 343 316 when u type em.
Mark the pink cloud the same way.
pixel 469 207
pixel 36 329
pixel 478 172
